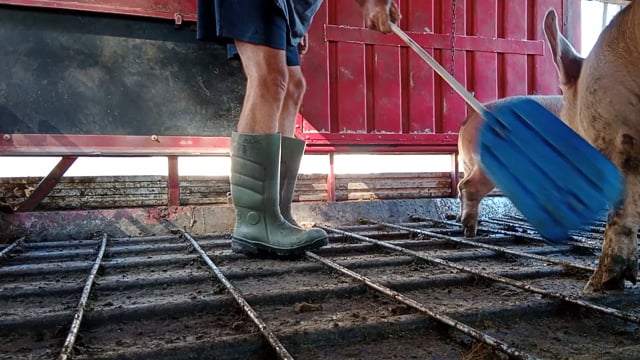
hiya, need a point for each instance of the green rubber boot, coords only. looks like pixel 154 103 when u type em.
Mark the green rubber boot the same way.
pixel 291 154
pixel 255 174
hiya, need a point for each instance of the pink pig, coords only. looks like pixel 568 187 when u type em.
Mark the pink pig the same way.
pixel 602 103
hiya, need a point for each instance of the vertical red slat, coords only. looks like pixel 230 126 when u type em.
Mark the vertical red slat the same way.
pixel 420 83
pixel 173 182
pixel 546 79
pixel 483 73
pixel 387 109
pixel 315 66
pixel 331 179
pixel 454 106
pixel 350 86
pixel 455 174
pixel 514 67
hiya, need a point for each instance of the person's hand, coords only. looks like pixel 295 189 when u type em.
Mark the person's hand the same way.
pixel 303 46
pixel 380 13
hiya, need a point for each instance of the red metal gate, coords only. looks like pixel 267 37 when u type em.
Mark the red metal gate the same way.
pixel 369 91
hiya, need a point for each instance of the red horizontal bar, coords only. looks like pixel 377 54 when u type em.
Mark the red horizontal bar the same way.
pixel 165 9
pixel 379 139
pixel 436 41
pixel 376 149
pixel 111 145
pixel 126 145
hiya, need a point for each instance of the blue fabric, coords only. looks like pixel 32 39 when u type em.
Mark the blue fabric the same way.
pixel 256 20
pixel 206 25
pixel 293 57
pixel 299 14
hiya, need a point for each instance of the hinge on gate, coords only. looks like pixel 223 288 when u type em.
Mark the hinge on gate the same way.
pixel 177 17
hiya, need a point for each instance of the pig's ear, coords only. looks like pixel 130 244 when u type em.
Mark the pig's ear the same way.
pixel 567 60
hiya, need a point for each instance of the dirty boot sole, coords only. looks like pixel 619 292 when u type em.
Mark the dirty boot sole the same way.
pixel 242 246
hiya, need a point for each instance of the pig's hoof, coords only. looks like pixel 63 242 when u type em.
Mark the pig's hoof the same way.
pixel 598 285
pixel 611 276
pixel 469 230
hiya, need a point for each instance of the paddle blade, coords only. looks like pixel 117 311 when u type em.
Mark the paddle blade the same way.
pixel 555 178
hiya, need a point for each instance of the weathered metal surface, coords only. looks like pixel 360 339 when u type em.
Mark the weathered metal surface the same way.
pixel 133 191
pixel 155 299
pixel 200 219
pixel 80 73
pixel 88 192
pixel 392 186
pixel 474 333
pixel 47 184
pixel 266 331
pixel 72 335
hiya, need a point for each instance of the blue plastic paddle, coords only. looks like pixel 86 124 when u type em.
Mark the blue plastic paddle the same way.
pixel 555 178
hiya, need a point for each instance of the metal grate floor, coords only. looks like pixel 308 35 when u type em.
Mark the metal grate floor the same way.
pixel 379 290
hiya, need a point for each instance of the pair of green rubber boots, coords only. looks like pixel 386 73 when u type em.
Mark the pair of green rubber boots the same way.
pixel 264 169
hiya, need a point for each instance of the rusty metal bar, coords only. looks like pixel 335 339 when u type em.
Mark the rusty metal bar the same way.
pixel 455 174
pixel 587 234
pixel 268 334
pixel 331 179
pixel 495 248
pixel 77 318
pixel 5 252
pixel 515 283
pixel 466 329
pixel 522 223
pixel 507 232
pixel 173 182
pixel 47 184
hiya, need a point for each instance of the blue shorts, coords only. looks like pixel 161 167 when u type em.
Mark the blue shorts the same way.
pixel 293 57
pixel 255 21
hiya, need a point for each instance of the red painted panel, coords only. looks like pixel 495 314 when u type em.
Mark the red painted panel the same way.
pixel 419 80
pixel 316 68
pixel 453 22
pixel 514 68
pixel 384 67
pixel 348 78
pixel 483 66
pixel 348 34
pixel 377 86
pixel 166 9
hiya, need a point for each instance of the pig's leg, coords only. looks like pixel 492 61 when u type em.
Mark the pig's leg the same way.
pixel 619 259
pixel 473 188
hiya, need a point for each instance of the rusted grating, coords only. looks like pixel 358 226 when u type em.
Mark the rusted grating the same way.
pixel 155 297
